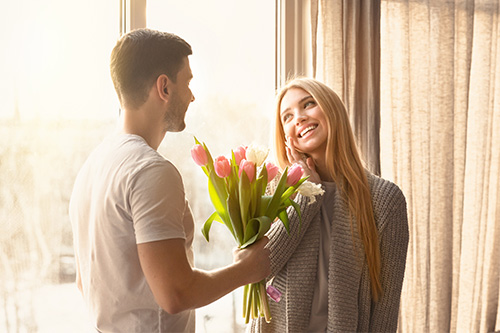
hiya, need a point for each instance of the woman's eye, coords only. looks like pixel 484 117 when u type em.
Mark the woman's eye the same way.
pixel 309 103
pixel 286 117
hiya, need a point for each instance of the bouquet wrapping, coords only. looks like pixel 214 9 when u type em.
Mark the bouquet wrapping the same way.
pixel 237 188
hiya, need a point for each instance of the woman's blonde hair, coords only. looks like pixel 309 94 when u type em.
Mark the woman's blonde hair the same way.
pixel 344 165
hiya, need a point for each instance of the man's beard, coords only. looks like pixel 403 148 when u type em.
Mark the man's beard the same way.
pixel 174 118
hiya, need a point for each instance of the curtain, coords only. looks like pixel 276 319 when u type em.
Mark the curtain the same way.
pixel 440 141
pixel 348 60
pixel 441 100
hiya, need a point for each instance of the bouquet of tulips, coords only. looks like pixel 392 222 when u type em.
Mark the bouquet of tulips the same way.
pixel 237 189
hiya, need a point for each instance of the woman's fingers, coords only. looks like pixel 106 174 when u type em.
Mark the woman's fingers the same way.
pixel 313 175
pixel 289 155
pixel 293 155
pixel 310 164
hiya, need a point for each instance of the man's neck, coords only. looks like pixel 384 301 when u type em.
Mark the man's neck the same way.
pixel 140 122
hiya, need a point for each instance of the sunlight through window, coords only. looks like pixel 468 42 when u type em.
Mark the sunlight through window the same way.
pixel 56 103
pixel 233 66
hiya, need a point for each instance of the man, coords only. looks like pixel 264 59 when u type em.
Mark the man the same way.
pixel 133 228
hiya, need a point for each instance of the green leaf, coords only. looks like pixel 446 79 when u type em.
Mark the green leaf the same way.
pixel 289 191
pixel 233 159
pixel 218 196
pixel 208 224
pixel 284 218
pixel 265 200
pixel 232 180
pixel 263 176
pixel 296 206
pixel 292 189
pixel 245 197
pixel 235 216
pixel 257 198
pixel 255 194
pixel 256 229
pixel 272 209
pixel 259 191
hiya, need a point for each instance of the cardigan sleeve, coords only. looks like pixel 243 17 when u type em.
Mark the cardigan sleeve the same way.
pixel 283 244
pixel 394 238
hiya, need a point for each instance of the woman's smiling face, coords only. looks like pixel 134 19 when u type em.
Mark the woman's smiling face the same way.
pixel 304 122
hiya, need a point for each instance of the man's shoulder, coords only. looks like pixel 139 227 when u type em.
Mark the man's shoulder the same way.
pixel 132 151
pixel 122 157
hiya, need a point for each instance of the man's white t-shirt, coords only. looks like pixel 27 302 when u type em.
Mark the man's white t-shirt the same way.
pixel 125 194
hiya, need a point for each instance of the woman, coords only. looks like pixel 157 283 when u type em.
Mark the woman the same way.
pixel 341 268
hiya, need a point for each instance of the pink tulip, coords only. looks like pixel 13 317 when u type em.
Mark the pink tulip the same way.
pixel 222 167
pixel 249 168
pixel 272 171
pixel 274 293
pixel 295 172
pixel 199 155
pixel 240 154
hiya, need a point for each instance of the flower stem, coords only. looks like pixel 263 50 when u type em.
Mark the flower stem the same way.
pixel 255 302
pixel 245 300
pixel 264 302
pixel 248 307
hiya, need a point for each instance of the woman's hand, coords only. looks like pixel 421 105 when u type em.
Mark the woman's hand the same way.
pixel 307 163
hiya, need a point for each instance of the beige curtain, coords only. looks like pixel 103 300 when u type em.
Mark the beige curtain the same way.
pixel 440 141
pixel 346 56
pixel 442 103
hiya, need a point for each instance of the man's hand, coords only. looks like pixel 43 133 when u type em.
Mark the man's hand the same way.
pixel 254 260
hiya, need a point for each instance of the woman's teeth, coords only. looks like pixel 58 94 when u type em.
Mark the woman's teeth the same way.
pixel 307 129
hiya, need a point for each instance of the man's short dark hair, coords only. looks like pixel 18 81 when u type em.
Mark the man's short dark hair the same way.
pixel 139 57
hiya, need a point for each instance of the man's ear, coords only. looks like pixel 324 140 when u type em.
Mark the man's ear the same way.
pixel 163 86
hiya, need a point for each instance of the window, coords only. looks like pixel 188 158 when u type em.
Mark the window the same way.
pixel 233 66
pixel 56 103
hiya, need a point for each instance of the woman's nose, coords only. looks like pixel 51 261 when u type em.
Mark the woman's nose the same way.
pixel 300 118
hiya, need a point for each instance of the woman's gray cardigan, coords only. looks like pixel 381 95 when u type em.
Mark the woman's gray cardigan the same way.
pixel 294 261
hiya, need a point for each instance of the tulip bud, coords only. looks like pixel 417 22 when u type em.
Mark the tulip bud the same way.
pixel 294 174
pixel 249 168
pixel 222 167
pixel 274 293
pixel 272 171
pixel 239 154
pixel 257 154
pixel 199 155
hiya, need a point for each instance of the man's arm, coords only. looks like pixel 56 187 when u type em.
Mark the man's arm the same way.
pixel 177 286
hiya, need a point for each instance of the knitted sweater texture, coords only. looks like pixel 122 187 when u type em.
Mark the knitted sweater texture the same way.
pixel 294 264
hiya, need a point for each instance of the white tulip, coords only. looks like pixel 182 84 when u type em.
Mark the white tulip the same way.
pixel 310 190
pixel 257 154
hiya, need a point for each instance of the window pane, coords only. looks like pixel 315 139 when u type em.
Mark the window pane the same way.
pixel 233 65
pixel 56 103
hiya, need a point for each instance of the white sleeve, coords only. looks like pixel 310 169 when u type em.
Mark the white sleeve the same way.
pixel 157 203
